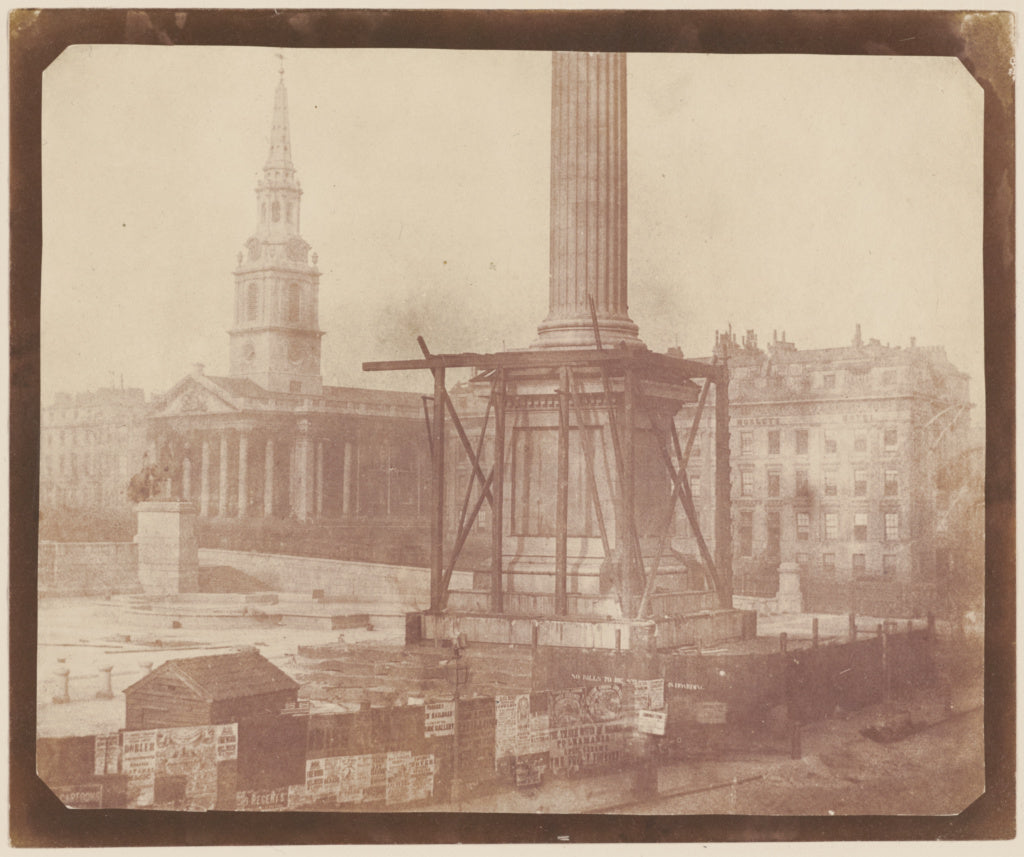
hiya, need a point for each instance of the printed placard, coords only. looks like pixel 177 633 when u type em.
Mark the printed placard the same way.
pixel 421 777
pixel 648 694
pixel 651 722
pixel 227 742
pixel 88 796
pixel 712 712
pixel 262 801
pixel 439 719
pixel 138 763
pixel 107 754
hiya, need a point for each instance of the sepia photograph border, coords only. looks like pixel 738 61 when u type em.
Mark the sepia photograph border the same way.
pixel 36 37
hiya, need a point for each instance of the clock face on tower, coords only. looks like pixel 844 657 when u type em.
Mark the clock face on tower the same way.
pixel 297 353
pixel 249 353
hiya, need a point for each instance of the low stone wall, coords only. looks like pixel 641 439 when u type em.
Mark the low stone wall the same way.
pixel 355 582
pixel 88 568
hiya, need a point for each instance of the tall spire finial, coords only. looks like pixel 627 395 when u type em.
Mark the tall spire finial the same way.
pixel 280 145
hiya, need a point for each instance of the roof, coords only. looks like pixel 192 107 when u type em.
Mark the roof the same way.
pixel 240 387
pixel 219 677
pixel 376 397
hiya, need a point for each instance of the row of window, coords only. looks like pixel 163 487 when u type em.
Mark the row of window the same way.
pixel 829 444
pixel 829 528
pixel 829 486
pixel 858 561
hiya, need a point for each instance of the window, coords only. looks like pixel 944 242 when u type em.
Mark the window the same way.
pixel 288 212
pixel 746 443
pixel 888 565
pixel 801 441
pixel 695 450
pixel 892 483
pixel 803 487
pixel 747 483
pixel 860 442
pixel 831 486
pixel 832 525
pixel 275 211
pixel 695 485
pixel 860 527
pixel 746 533
pixel 773 442
pixel 774 526
pixel 294 302
pixel 830 381
pixel 774 483
pixel 890 438
pixel 860 483
pixel 803 560
pixel 252 302
pixel 889 377
pixel 803 526
pixel 892 526
pixel 858 563
pixel 828 561
pixel 831 444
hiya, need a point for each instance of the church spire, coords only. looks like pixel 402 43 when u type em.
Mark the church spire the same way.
pixel 280 157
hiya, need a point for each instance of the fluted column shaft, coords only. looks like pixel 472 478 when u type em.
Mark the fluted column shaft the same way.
pixel 588 202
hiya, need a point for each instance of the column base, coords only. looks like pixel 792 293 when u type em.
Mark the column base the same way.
pixel 579 333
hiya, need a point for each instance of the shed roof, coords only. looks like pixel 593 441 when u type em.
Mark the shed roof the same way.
pixel 219 677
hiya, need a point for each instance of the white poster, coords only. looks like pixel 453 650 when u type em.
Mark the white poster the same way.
pixel 439 719
pixel 138 762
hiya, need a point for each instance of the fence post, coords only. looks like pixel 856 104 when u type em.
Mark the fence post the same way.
pixel 814 632
pixel 62 687
pixel 106 690
pixel 853 627
pixel 783 641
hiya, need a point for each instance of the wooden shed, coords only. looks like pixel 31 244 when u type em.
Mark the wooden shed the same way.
pixel 211 689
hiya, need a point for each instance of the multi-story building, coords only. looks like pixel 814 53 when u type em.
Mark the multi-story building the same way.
pixel 89 446
pixel 836 456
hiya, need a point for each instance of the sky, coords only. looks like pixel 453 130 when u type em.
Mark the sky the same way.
pixel 803 194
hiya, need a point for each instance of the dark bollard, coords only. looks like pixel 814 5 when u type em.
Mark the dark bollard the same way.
pixel 618 639
pixel 814 632
pixel 853 627
pixel 783 641
pixel 931 626
pixel 536 635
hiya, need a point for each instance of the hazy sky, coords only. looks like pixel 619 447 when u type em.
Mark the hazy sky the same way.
pixel 798 193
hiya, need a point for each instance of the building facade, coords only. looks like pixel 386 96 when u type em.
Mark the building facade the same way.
pixel 837 456
pixel 90 444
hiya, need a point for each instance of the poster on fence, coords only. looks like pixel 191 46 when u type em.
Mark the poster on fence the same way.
pixel 649 693
pixel 353 778
pixel 439 719
pixel 190 752
pixel 227 742
pixel 421 777
pixel 138 763
pixel 269 800
pixel 107 754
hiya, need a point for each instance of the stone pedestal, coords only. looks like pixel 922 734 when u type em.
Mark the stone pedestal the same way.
pixel 168 547
pixel 789 598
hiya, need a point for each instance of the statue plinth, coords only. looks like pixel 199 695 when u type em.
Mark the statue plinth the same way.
pixel 168 547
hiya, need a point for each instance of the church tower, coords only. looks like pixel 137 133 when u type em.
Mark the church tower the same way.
pixel 275 341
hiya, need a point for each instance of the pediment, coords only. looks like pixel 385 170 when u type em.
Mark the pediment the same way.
pixel 193 398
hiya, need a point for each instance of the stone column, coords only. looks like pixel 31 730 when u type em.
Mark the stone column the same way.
pixel 204 485
pixel 268 480
pixel 302 476
pixel 186 478
pixel 588 202
pixel 319 479
pixel 346 483
pixel 222 500
pixel 243 473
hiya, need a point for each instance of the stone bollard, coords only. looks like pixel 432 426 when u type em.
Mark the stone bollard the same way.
pixel 62 688
pixel 853 627
pixel 147 667
pixel 106 690
pixel 783 641
pixel 814 632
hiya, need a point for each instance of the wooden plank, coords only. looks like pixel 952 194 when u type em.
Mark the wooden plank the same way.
pixel 562 497
pixel 498 504
pixel 437 512
pixel 723 505
pixel 674 367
